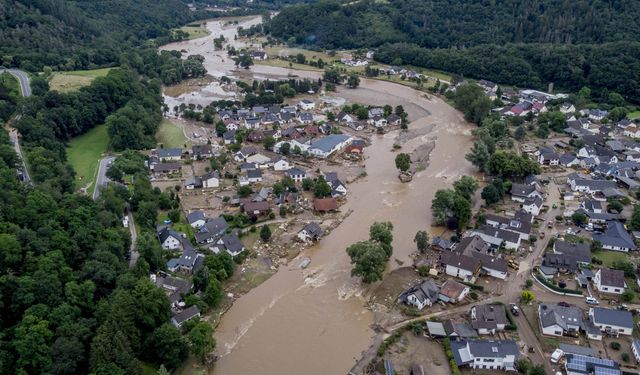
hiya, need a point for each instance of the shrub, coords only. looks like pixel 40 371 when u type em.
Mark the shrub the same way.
pixel 423 271
pixel 528 283
pixel 549 285
pixel 473 286
pixel 625 357
pixel 615 345
pixel 473 295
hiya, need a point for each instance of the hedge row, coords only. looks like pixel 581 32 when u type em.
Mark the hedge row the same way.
pixel 449 352
pixel 549 285
pixel 473 286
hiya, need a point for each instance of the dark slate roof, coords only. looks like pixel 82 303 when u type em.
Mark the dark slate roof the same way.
pixel 581 251
pixel 616 235
pixel 576 349
pixel 462 330
pixel 428 290
pixel 471 244
pixel 612 317
pixel 485 349
pixel 313 229
pixel 295 172
pixel 169 152
pixel 195 216
pixel 492 263
pixel 550 315
pixel 166 232
pixel 488 316
pixel 254 173
pixel 521 190
pixel 513 225
pixel 186 314
pixel 614 278
pixel 461 261
pixel 557 261
pixel 232 243
pixel 504 235
pixel 441 242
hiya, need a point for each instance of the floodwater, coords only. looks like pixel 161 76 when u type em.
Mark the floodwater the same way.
pixel 314 321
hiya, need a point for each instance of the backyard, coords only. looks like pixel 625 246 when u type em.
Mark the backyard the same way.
pixel 170 135
pixel 84 153
pixel 71 81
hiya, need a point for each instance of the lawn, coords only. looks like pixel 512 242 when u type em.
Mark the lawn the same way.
pixel 610 257
pixel 310 55
pixel 286 64
pixel 634 115
pixel 71 81
pixel 195 32
pixel 170 135
pixel 84 153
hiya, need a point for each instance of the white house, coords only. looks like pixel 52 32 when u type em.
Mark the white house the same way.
pixel 281 164
pixel 486 354
pixel 557 320
pixel 635 348
pixel 296 174
pixel 196 219
pixel 460 266
pixel 609 281
pixel 170 154
pixel 326 146
pixel 310 232
pixel 211 180
pixel 422 295
pixel 614 322
pixel 488 319
pixel 497 237
pixel 254 176
pixel 306 105
pixel 632 131
pixel 533 205
pixel 453 292
pixel 169 239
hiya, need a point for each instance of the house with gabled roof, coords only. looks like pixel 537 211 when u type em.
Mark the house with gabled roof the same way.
pixel 520 192
pixel 497 237
pixel 616 238
pixel 196 219
pixel 422 295
pixel 453 292
pixel 229 243
pixel 185 315
pixel 488 319
pixel 486 354
pixel 169 238
pixel 560 320
pixel 310 232
pixel 462 266
pixel 613 322
pixel 609 281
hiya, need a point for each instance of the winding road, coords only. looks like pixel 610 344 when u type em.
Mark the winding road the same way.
pixel 25 90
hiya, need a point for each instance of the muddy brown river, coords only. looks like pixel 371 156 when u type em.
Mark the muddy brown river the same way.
pixel 314 321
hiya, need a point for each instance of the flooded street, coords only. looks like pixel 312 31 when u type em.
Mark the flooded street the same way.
pixel 314 321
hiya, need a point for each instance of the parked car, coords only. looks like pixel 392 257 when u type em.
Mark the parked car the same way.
pixel 591 301
pixel 514 309
pixel 556 355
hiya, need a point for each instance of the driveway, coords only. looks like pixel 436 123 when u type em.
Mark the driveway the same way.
pixel 101 178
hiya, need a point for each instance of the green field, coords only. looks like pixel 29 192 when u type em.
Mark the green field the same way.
pixel 84 153
pixel 195 32
pixel 71 81
pixel 610 257
pixel 634 115
pixel 170 135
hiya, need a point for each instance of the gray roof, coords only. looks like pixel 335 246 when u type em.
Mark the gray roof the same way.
pixel 457 329
pixel 211 229
pixel 521 190
pixel 581 251
pixel 470 244
pixel 166 232
pixel 327 143
pixel 576 349
pixel 558 261
pixel 460 261
pixel 562 316
pixel 489 316
pixel 313 229
pixel 614 278
pixel 186 314
pixel 169 152
pixel 513 225
pixel 188 258
pixel 484 349
pixel 436 329
pixel 504 235
pixel 616 235
pixel 232 243
pixel 428 290
pixel 254 173
pixel 295 172
pixel 195 216
pixel 489 262
pixel 441 242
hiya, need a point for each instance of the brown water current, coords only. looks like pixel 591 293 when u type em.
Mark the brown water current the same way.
pixel 314 321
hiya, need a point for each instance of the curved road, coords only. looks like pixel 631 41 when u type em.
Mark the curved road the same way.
pixel 25 89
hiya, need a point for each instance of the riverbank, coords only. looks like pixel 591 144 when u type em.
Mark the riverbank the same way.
pixel 280 326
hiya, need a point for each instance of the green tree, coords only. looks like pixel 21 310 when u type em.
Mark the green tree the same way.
pixel 527 296
pixel 265 233
pixel 307 184
pixel 537 370
pixel 520 133
pixel 382 233
pixel 269 142
pixel 479 155
pixel 214 293
pixel 634 223
pixel 321 188
pixel 422 240
pixel 628 295
pixel 466 186
pixel 403 162
pixel 167 346
pixel 201 341
pixel 332 75
pixel 491 194
pixel 369 260
pixel 353 81
pixel 579 218
pixel 32 339
pixel 285 148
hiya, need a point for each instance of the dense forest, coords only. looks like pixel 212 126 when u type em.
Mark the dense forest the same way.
pixel 73 35
pixel 524 43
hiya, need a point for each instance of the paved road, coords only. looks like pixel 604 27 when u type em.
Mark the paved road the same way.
pixel 25 89
pixel 133 254
pixel 101 178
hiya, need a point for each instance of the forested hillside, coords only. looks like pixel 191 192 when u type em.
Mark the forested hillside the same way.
pixel 523 43
pixel 70 35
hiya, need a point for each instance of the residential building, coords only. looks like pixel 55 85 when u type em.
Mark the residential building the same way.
pixel 196 219
pixel 581 251
pixel 211 230
pixel 616 238
pixel 254 176
pixel 488 319
pixel 310 232
pixel 323 205
pixel 326 146
pixel 169 239
pixel 613 322
pixel 202 151
pixel 185 315
pixel 256 208
pixel 211 180
pixel 516 225
pixel 520 192
pixel 170 154
pixel 462 266
pixel 193 182
pixel 557 320
pixel 533 205
pixel 296 174
pixel 422 295
pixel 281 164
pixel 486 354
pixel 306 105
pixel 497 237
pixel 609 281
pixel 453 291
pixel 576 364
pixel 229 243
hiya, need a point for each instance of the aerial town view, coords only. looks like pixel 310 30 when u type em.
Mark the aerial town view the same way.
pixel 371 187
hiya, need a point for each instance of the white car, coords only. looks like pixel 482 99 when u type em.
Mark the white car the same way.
pixel 556 355
pixel 591 301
